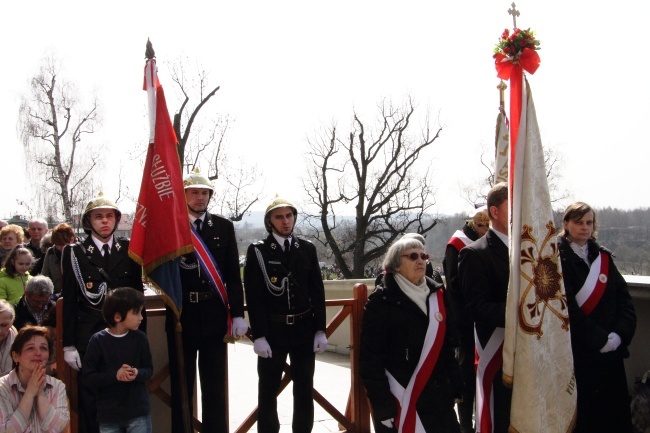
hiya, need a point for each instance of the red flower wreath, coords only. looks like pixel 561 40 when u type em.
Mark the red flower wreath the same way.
pixel 517 48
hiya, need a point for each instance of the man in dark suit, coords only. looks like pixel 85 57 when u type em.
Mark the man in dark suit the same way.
pixel 484 269
pixel 205 319
pixel 89 270
pixel 286 307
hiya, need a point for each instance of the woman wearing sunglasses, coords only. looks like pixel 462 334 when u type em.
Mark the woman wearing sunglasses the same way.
pixel 407 355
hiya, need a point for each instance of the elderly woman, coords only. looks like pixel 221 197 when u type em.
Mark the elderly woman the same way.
pixel 603 322
pixel 30 400
pixel 407 356
pixel 7 336
pixel 62 235
pixel 10 236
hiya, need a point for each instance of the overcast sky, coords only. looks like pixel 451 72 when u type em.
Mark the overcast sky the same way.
pixel 289 68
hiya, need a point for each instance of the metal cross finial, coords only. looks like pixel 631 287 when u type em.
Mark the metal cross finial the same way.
pixel 515 13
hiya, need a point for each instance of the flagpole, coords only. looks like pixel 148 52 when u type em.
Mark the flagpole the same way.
pixel 178 329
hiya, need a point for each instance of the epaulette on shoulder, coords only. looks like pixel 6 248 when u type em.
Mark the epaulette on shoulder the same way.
pixel 300 238
pixel 123 239
pixel 260 242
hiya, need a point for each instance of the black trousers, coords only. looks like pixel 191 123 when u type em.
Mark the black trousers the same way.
pixel 212 355
pixel 302 361
pixel 87 416
pixel 502 402
pixel 466 357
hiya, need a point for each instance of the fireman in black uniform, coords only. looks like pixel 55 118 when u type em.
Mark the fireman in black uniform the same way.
pixel 204 317
pixel 286 307
pixel 90 269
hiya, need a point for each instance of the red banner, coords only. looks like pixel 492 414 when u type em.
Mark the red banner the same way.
pixel 161 231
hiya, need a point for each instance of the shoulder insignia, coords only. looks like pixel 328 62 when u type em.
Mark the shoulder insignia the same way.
pixel 258 243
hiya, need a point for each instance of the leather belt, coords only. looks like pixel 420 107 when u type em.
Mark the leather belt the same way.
pixel 196 297
pixel 289 319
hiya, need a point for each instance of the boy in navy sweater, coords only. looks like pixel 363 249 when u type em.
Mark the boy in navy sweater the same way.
pixel 118 363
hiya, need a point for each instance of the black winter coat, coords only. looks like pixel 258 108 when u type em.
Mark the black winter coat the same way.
pixel 603 402
pixel 392 337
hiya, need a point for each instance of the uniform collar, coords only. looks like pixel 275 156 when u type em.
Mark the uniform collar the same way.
pixel 100 244
pixel 280 240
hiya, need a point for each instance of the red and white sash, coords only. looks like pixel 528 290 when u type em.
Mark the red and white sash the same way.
pixel 592 290
pixel 210 268
pixel 407 420
pixel 459 240
pixel 490 361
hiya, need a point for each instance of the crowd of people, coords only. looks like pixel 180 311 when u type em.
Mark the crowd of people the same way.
pixel 423 341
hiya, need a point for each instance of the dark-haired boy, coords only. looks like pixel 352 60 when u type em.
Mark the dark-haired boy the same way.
pixel 118 363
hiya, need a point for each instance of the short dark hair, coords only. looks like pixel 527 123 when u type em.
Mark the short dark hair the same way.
pixel 28 332
pixel 497 195
pixel 121 301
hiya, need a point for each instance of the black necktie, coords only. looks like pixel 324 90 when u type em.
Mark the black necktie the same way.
pixel 286 247
pixel 107 255
pixel 197 222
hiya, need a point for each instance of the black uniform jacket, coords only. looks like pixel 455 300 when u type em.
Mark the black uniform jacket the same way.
pixel 483 270
pixel 208 317
pixel 82 318
pixel 305 290
pixel 450 265
pixel 392 336
pixel 614 312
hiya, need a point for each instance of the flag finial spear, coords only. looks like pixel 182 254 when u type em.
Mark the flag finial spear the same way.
pixel 515 13
pixel 502 88
pixel 149 52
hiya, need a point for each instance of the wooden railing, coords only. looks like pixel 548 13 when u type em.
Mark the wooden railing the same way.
pixel 357 414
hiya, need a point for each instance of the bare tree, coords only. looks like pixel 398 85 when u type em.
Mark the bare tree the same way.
pixel 52 124
pixel 373 170
pixel 203 141
pixel 475 191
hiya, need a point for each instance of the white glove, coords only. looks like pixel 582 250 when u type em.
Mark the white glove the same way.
pixel 262 348
pixel 613 337
pixel 390 423
pixel 320 342
pixel 239 327
pixel 613 341
pixel 71 357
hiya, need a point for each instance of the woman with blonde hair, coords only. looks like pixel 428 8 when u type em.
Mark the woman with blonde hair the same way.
pixel 7 336
pixel 10 237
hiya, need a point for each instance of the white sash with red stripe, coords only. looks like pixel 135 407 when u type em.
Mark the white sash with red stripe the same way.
pixel 459 240
pixel 209 266
pixel 407 420
pixel 593 289
pixel 490 361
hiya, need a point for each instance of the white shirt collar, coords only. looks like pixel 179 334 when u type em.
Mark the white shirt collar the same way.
pixel 193 218
pixel 100 244
pixel 279 239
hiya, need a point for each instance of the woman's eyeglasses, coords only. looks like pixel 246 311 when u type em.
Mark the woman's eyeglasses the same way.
pixel 415 256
